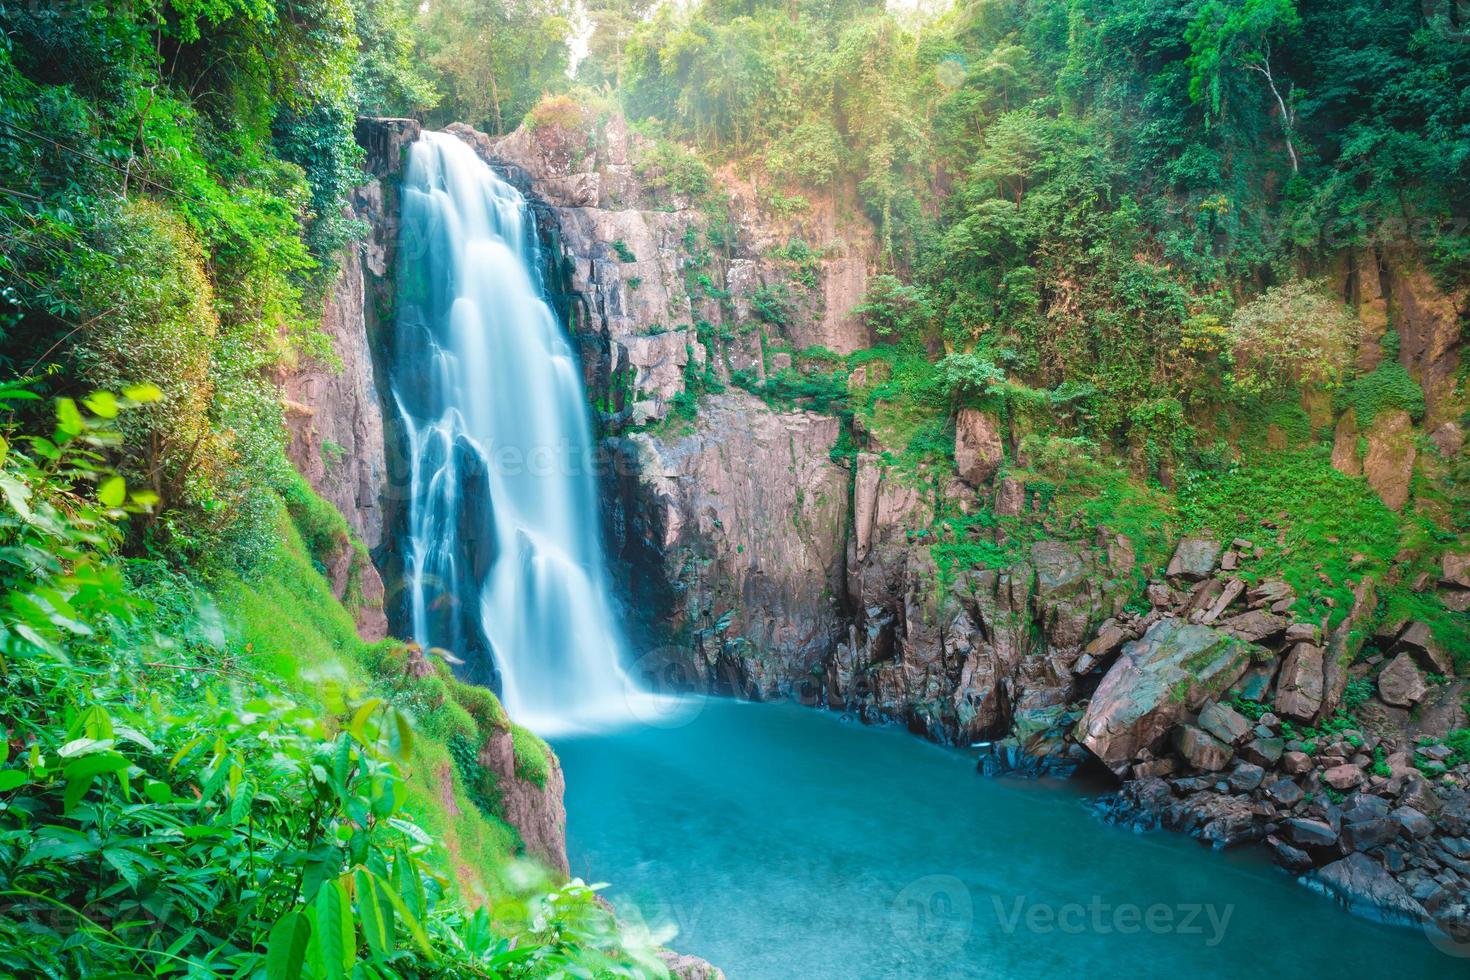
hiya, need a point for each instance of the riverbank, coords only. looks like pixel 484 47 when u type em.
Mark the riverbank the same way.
pixel 780 841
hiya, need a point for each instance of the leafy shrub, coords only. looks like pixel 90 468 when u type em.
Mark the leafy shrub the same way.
pixel 809 154
pixel 1292 334
pixel 670 168
pixel 1388 385
pixel 896 311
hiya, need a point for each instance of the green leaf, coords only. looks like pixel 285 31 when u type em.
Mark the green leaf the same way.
pixel 68 418
pixel 95 764
pixel 286 948
pixel 420 937
pixel 112 492
pixel 157 791
pixel 102 403
pixel 361 717
pixel 400 740
pixel 75 790
pixel 143 393
pixel 11 778
pixel 334 922
pixel 84 746
pixel 375 929
pixel 244 797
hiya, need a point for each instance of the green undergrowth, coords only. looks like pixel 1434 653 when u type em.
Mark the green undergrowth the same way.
pixel 1320 530
pixel 222 779
pixel 287 620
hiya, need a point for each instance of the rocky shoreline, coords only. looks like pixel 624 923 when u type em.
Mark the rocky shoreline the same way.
pixel 1231 722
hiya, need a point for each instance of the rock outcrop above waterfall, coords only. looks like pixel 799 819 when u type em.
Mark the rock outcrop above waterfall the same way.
pixel 648 287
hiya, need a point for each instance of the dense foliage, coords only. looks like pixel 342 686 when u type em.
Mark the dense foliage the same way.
pixel 174 803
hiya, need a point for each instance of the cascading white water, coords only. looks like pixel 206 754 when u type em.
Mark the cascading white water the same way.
pixel 503 562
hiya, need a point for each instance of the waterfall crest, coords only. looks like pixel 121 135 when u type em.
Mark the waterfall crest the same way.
pixel 503 560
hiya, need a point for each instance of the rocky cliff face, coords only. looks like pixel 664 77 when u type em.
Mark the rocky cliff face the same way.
pixel 335 407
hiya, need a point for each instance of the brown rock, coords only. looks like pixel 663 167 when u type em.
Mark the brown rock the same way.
pixel 1201 749
pixel 1310 833
pixel 1156 679
pixel 1454 569
pixel 1419 641
pixel 978 448
pixel 1363 886
pixel 1389 465
pixel 1295 763
pixel 1194 559
pixel 1401 684
pixel 1343 778
pixel 1010 497
pixel 536 812
pixel 1299 688
pixel 1224 722
pixel 1255 626
pixel 1448 439
pixel 1345 458
pixel 682 966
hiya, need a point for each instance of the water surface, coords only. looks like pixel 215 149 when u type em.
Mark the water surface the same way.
pixel 784 842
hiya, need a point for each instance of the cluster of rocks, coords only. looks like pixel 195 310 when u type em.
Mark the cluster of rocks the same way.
pixel 1224 716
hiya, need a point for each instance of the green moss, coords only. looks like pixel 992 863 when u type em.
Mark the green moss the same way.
pixel 533 756
pixel 1387 386
pixel 1450 629
pixel 285 612
pixel 1320 529
pixel 288 622
pixel 321 526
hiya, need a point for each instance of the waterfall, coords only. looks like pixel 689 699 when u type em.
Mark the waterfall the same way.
pixel 503 564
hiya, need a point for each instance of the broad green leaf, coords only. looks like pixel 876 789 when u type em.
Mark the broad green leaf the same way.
pixel 75 790
pixel 361 717
pixel 370 913
pixel 286 948
pixel 157 792
pixel 420 937
pixel 95 764
pixel 334 922
pixel 84 746
pixel 68 418
pixel 11 778
pixel 112 492
pixel 102 404
pixel 143 393
pixel 240 806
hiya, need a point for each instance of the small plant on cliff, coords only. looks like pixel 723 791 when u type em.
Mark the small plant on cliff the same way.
pixel 624 253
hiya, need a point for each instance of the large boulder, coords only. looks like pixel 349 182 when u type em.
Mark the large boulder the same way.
pixel 1389 464
pixel 1299 688
pixel 1194 559
pixel 978 449
pixel 1201 749
pixel 1401 684
pixel 1361 885
pixel 1224 722
pixel 1418 640
pixel 1171 670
